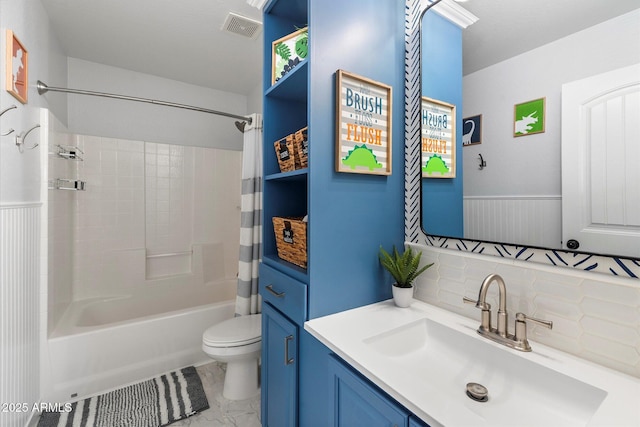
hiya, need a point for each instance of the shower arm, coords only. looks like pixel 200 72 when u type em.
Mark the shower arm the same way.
pixel 43 88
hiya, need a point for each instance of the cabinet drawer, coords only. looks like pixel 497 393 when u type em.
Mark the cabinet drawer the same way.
pixel 286 294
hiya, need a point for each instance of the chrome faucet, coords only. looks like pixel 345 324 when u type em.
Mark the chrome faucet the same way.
pixel 500 334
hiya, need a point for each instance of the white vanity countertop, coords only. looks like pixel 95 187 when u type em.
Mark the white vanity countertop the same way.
pixel 350 335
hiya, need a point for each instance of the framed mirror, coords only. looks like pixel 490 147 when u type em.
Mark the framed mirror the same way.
pixel 518 65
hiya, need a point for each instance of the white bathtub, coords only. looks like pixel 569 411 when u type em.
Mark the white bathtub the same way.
pixel 102 344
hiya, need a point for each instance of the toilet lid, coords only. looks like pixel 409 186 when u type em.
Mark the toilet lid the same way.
pixel 237 331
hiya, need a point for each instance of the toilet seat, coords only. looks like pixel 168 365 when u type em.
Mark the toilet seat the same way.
pixel 235 332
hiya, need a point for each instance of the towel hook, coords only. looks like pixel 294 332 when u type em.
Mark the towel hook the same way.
pixel 10 131
pixel 20 139
pixel 483 164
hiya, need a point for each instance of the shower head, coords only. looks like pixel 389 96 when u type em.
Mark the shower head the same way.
pixel 241 125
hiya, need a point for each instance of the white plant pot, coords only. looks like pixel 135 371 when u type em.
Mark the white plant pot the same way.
pixel 402 297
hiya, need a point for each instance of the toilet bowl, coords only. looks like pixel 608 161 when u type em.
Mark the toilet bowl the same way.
pixel 236 342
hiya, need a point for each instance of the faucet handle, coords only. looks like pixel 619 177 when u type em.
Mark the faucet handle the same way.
pixel 521 341
pixel 480 305
pixel 521 317
pixel 485 318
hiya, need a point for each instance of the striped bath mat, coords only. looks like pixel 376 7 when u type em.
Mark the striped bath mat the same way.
pixel 153 403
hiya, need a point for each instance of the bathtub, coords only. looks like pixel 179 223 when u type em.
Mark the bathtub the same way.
pixel 101 344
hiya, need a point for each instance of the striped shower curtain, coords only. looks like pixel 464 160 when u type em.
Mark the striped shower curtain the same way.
pixel 248 300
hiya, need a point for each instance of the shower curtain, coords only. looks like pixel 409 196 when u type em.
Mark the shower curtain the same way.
pixel 248 301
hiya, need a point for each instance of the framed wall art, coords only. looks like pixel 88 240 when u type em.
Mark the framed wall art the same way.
pixel 287 52
pixel 438 139
pixel 472 130
pixel 363 125
pixel 529 117
pixel 17 80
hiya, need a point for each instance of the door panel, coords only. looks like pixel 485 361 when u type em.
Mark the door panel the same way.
pixel 601 162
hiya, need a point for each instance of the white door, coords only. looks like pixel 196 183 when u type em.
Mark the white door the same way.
pixel 601 163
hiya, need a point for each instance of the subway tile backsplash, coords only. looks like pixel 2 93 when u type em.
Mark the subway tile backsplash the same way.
pixel 595 316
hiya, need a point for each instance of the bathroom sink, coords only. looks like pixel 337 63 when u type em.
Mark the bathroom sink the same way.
pixel 521 392
pixel 425 357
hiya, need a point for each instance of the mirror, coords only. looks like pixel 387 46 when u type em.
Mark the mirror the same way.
pixel 508 185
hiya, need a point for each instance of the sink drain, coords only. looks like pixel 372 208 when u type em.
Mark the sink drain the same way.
pixel 477 392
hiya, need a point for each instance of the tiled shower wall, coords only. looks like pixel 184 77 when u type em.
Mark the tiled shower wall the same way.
pixel 58 224
pixel 109 228
pixel 145 198
pixel 595 316
pixel 169 201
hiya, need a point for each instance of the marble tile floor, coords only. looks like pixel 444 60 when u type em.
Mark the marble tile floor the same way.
pixel 222 412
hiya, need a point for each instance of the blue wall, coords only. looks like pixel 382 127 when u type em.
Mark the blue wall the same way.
pixel 351 215
pixel 442 212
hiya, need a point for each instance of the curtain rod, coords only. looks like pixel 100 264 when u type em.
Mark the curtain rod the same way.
pixel 43 88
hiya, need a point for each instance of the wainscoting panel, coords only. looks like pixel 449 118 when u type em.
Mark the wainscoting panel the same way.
pixel 527 220
pixel 19 311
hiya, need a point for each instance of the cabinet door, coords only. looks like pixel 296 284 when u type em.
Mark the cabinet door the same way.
pixel 356 403
pixel 416 422
pixel 279 369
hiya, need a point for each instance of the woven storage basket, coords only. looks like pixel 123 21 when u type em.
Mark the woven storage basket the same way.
pixel 285 154
pixel 291 239
pixel 301 148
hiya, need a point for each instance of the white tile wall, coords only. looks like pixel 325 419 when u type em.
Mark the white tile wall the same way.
pixel 595 316
pixel 59 226
pixel 169 180
pixel 218 223
pixel 110 215
pixel 146 198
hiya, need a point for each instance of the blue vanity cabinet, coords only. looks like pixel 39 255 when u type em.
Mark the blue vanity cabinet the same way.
pixel 355 402
pixel 284 310
pixel 279 375
pixel 282 285
pixel 416 422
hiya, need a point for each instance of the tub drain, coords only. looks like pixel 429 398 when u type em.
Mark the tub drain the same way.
pixel 477 392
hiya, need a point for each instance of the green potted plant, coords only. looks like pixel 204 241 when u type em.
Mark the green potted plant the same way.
pixel 404 268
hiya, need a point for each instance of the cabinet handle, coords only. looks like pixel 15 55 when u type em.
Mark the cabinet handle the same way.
pixel 275 293
pixel 287 340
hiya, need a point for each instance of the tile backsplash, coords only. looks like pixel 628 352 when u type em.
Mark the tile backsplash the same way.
pixel 595 316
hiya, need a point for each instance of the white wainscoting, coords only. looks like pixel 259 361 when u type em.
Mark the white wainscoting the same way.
pixel 19 310
pixel 526 220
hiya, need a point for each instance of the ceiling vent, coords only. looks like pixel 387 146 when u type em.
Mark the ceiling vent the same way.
pixel 242 25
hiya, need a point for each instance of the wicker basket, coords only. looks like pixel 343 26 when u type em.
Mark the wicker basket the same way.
pixel 291 239
pixel 301 148
pixel 293 151
pixel 285 154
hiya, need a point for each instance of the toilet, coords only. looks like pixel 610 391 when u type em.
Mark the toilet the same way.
pixel 237 342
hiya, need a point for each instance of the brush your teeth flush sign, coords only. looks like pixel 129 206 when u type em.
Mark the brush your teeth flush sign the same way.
pixel 438 139
pixel 363 125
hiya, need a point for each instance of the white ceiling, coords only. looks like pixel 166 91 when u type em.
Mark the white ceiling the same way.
pixel 176 39
pixel 182 39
